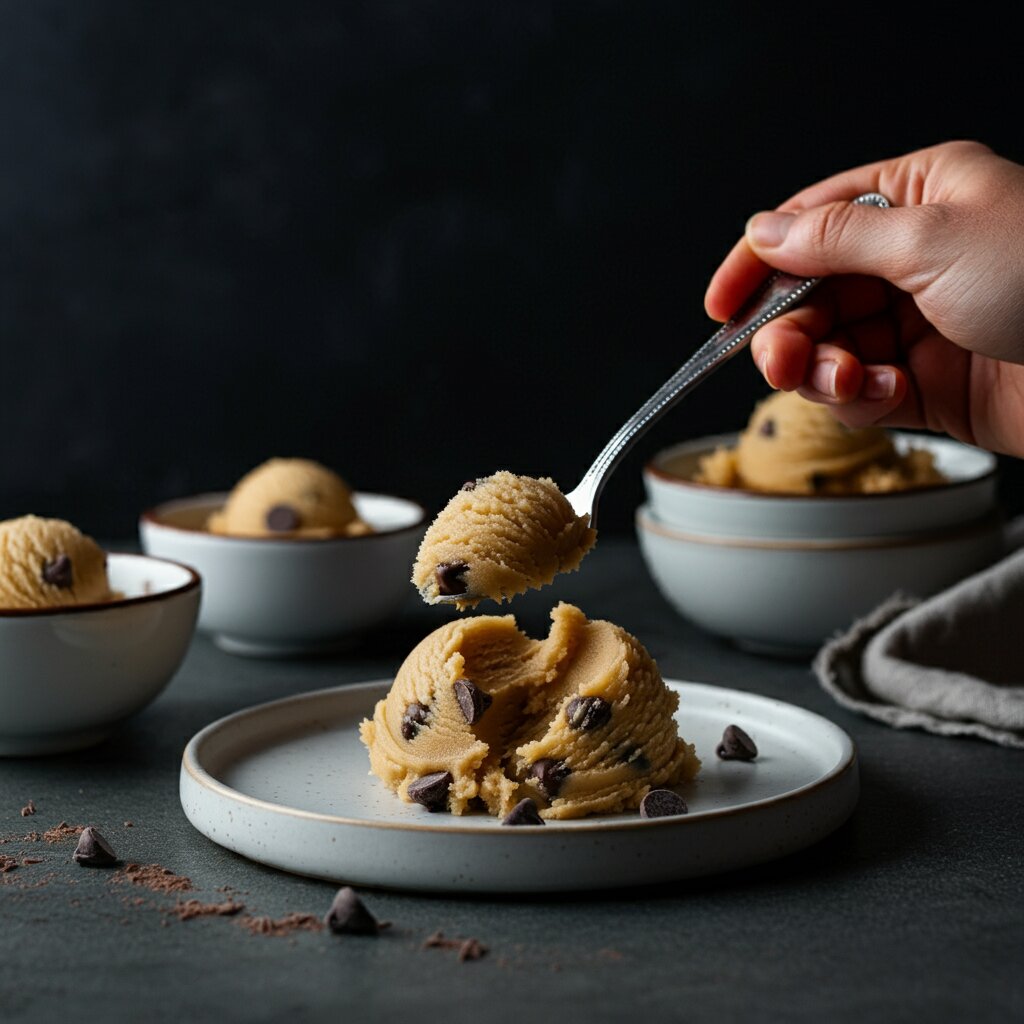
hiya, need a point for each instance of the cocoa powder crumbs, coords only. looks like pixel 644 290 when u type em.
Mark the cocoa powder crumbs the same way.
pixel 7 864
pixel 29 808
pixel 63 831
pixel 154 877
pixel 196 908
pixel 263 925
pixel 469 949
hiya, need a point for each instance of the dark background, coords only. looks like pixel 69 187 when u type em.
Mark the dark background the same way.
pixel 415 241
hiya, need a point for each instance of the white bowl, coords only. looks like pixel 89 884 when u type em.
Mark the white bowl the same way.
pixel 675 499
pixel 69 676
pixel 282 596
pixel 788 596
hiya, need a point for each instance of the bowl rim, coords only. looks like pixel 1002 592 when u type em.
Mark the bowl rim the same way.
pixel 192 583
pixel 709 442
pixel 646 520
pixel 151 517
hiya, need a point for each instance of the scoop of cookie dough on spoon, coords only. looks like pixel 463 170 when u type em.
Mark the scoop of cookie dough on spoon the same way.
pixel 497 537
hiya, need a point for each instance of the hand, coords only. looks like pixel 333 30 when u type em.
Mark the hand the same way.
pixel 920 322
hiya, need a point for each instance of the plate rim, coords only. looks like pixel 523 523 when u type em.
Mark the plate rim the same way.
pixel 848 762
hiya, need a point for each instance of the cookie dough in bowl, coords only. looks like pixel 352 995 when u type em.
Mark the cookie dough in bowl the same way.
pixel 482 715
pixel 500 536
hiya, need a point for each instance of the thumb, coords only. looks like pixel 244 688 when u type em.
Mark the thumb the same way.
pixel 846 238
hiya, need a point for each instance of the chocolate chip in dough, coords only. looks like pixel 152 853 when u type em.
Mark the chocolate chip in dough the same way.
pixel 58 572
pixel 524 813
pixel 550 774
pixel 635 758
pixel 348 915
pixel 415 716
pixel 93 850
pixel 736 745
pixel 469 485
pixel 282 519
pixel 662 803
pixel 767 429
pixel 449 578
pixel 587 713
pixel 431 790
pixel 472 700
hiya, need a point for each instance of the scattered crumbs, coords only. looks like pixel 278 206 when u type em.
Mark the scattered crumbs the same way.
pixel 469 949
pixel 63 831
pixel 129 824
pixel 263 925
pixel 29 808
pixel 185 911
pixel 31 860
pixel 7 864
pixel 154 877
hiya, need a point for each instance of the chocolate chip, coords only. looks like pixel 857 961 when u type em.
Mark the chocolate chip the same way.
pixel 736 745
pixel 58 572
pixel 415 716
pixel 662 803
pixel 550 774
pixel 93 850
pixel 767 429
pixel 431 790
pixel 469 485
pixel 634 757
pixel 449 578
pixel 524 813
pixel 348 915
pixel 588 713
pixel 472 700
pixel 282 519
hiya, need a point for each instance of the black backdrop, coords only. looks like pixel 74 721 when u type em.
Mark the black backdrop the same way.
pixel 416 241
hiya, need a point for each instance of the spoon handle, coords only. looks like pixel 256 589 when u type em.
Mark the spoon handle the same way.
pixel 778 293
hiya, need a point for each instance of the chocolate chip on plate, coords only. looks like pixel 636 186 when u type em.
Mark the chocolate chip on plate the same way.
pixel 93 850
pixel 524 813
pixel 415 716
pixel 58 572
pixel 588 713
pixel 767 429
pixel 282 519
pixel 348 915
pixel 662 803
pixel 472 700
pixel 449 578
pixel 431 790
pixel 736 745
pixel 550 774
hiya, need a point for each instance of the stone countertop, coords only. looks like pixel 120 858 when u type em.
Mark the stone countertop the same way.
pixel 913 910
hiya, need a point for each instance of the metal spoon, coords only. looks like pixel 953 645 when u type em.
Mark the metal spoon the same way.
pixel 779 293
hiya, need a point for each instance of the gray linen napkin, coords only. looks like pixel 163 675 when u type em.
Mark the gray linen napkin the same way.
pixel 952 664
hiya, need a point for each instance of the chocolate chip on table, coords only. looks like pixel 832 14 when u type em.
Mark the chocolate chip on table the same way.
pixel 431 790
pixel 93 850
pixel 449 578
pixel 767 429
pixel 588 713
pixel 472 700
pixel 58 572
pixel 736 745
pixel 282 519
pixel 415 716
pixel 524 813
pixel 348 915
pixel 662 803
pixel 550 774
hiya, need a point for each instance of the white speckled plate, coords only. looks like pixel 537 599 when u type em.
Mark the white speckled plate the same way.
pixel 287 784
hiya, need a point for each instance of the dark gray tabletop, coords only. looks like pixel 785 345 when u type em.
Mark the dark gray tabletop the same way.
pixel 913 910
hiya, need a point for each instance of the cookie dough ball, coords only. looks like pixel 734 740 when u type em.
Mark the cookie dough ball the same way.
pixel 794 446
pixel 498 537
pixel 289 498
pixel 580 722
pixel 49 563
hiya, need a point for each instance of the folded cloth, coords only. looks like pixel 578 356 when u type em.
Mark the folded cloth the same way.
pixel 952 664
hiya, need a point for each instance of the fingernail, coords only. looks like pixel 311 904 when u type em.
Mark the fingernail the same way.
pixel 769 229
pixel 763 361
pixel 823 377
pixel 879 384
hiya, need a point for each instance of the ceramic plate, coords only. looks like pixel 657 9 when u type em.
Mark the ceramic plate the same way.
pixel 287 784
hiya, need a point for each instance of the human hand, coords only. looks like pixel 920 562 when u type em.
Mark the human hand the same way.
pixel 920 320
